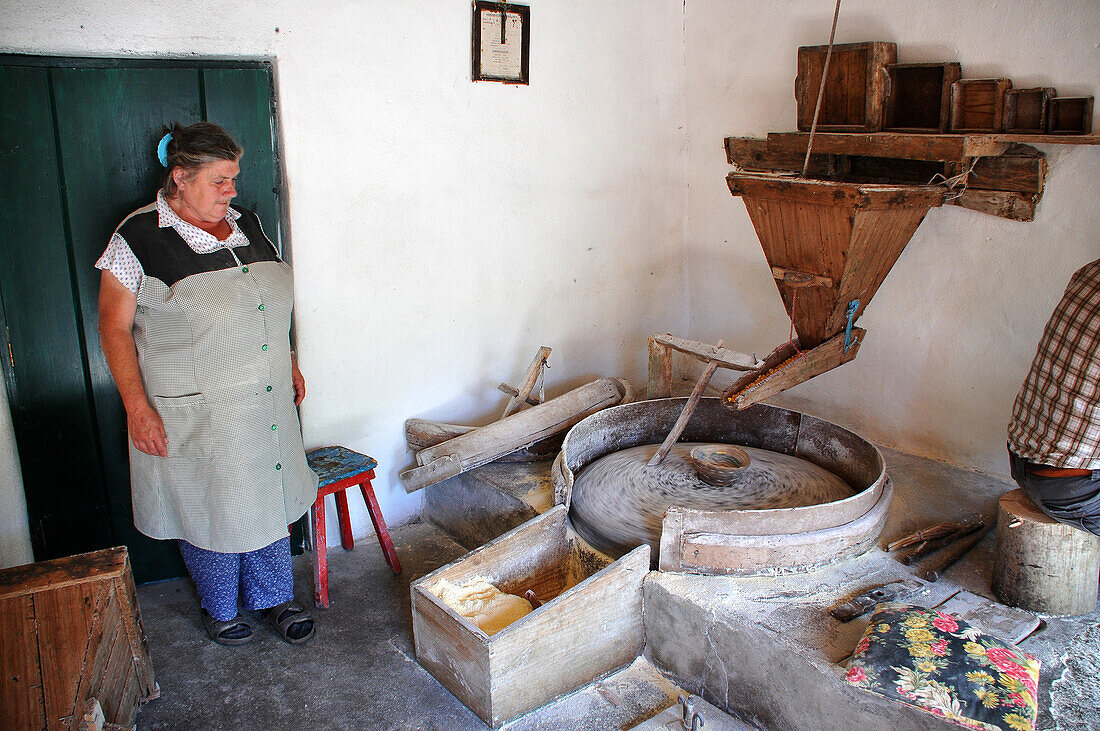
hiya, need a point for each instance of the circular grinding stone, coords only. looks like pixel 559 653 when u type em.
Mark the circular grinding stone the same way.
pixel 619 501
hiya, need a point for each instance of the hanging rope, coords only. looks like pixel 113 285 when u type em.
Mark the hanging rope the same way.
pixel 955 182
pixel 794 305
pixel 821 90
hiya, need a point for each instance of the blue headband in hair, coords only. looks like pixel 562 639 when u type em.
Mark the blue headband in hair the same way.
pixel 162 149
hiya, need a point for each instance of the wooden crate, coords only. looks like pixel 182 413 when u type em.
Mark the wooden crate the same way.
pixel 855 88
pixel 72 637
pixel 1069 115
pixel 1026 109
pixel 589 624
pixel 918 96
pixel 978 105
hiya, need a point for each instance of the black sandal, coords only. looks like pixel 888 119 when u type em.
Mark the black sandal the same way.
pixel 234 632
pixel 293 623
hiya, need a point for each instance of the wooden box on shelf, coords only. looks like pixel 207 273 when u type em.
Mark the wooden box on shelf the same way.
pixel 977 105
pixel 1026 109
pixel 73 640
pixel 855 87
pixel 590 621
pixel 918 96
pixel 1069 115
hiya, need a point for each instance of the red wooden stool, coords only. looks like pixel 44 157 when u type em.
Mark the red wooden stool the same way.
pixel 339 468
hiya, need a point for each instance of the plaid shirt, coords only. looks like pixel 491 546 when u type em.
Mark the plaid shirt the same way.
pixel 1056 417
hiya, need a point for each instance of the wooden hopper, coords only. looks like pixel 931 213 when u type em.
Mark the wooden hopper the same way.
pixel 829 244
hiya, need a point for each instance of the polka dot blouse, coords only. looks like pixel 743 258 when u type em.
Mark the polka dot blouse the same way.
pixel 120 261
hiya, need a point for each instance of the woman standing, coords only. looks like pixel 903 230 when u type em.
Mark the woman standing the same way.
pixel 194 320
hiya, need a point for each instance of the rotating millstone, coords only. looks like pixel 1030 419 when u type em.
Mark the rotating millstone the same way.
pixel 618 501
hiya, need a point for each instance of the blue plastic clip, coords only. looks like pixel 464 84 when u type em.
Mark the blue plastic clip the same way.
pixel 851 314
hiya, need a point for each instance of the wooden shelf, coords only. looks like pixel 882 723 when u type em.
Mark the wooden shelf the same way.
pixel 916 146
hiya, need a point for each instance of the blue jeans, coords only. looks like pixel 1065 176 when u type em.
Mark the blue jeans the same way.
pixel 1071 500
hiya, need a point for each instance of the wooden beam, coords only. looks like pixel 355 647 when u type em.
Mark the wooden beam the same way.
pixel 752 153
pixel 1020 170
pixel 685 415
pixel 660 369
pixel 485 444
pixel 833 193
pixel 529 380
pixel 891 144
pixel 1015 206
pixel 706 352
pixel 810 363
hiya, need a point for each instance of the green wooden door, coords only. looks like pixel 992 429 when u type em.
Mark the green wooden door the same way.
pixel 77 153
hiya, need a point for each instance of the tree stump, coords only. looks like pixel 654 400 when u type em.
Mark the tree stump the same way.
pixel 1042 565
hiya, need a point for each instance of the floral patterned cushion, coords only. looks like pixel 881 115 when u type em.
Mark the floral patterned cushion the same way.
pixel 937 663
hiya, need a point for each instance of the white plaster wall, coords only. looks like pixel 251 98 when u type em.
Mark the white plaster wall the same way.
pixel 442 230
pixel 15 538
pixel 953 329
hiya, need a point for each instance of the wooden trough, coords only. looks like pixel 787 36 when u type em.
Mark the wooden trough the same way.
pixel 830 245
pixel 589 624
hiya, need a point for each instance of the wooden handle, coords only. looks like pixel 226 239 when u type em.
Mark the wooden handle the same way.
pixel 685 415
pixel 934 568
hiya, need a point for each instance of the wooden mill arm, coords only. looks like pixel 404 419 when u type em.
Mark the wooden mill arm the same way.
pixel 660 360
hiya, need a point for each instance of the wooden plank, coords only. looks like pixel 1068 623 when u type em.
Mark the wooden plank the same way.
pixel 1005 204
pixel 64 617
pixel 424 433
pixel 588 631
pixel 485 444
pixel 108 665
pixel 894 144
pixel 808 238
pixel 21 698
pixel 1021 169
pixel 61 573
pixel 659 381
pixel 706 352
pixel 833 193
pixel 753 153
pixel 824 357
pixel 457 657
pixel 530 377
pixel 126 593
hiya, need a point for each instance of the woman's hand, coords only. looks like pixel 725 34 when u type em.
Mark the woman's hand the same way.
pixel 298 380
pixel 117 306
pixel 147 431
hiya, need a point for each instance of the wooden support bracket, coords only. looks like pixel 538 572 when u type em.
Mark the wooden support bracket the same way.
pixel 660 360
pixel 791 371
pixel 530 378
pixel 1007 178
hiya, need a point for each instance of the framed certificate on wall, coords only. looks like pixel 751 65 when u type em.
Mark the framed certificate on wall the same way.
pixel 501 42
